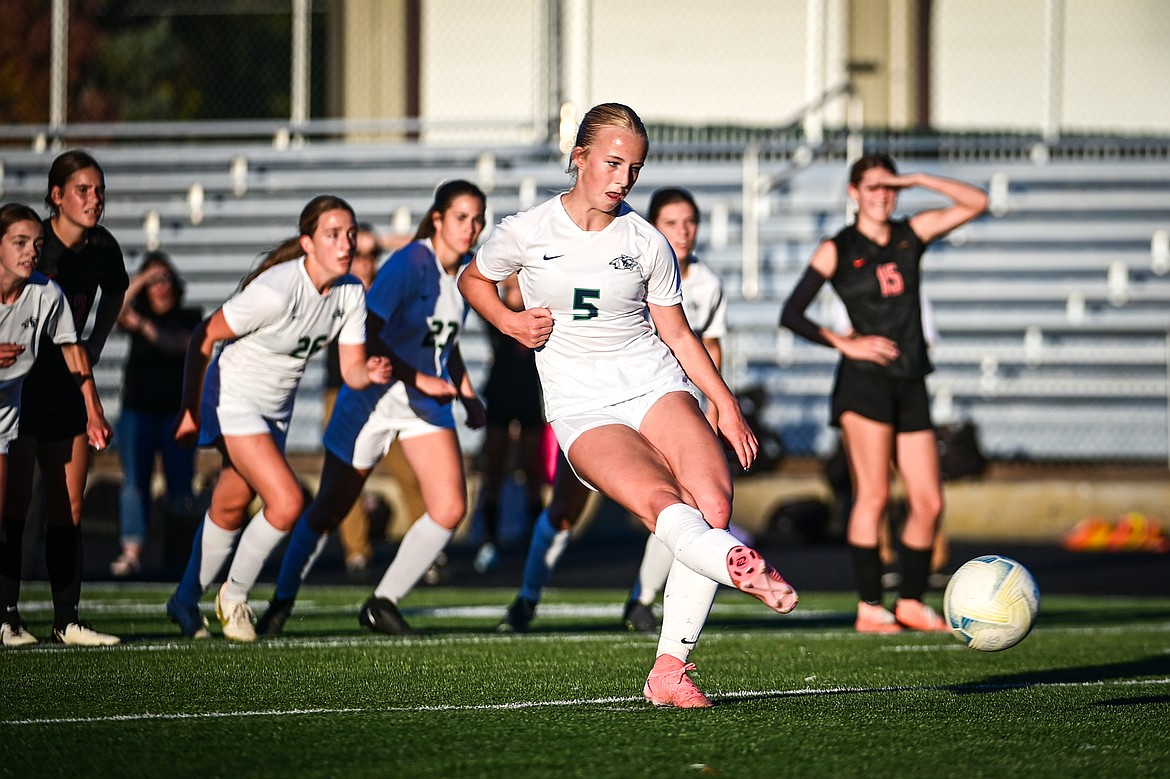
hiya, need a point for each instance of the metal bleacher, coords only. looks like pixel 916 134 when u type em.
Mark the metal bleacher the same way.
pixel 1052 310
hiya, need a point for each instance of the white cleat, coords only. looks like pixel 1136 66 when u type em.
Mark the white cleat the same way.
pixel 15 634
pixel 81 634
pixel 236 617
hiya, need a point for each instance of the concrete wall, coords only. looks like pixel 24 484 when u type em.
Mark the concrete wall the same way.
pixel 989 65
pixel 758 62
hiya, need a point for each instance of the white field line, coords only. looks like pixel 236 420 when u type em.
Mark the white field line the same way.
pixel 783 626
pixel 590 610
pixel 625 699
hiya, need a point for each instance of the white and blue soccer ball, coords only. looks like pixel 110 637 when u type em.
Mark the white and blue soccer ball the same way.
pixel 991 603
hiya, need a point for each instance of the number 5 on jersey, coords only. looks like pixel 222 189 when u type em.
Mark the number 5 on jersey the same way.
pixel 582 308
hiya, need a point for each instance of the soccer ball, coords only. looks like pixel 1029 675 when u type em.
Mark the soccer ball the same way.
pixel 991 603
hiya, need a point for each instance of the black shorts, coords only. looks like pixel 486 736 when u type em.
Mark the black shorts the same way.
pixel 902 403
pixel 53 416
pixel 523 406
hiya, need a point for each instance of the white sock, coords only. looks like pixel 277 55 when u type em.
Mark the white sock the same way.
pixel 215 549
pixel 256 544
pixel 418 551
pixel 685 606
pixel 545 549
pixel 696 544
pixel 652 573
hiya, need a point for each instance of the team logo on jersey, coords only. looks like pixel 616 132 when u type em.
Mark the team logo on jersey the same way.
pixel 338 313
pixel 859 262
pixel 624 262
pixel 30 322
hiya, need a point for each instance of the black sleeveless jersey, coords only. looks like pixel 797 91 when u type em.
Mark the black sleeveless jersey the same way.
pixel 880 288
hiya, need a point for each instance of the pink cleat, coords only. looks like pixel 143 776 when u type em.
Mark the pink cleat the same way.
pixel 669 685
pixel 916 615
pixel 752 575
pixel 874 618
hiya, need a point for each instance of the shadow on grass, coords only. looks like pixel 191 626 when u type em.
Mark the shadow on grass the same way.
pixel 1156 665
pixel 1098 616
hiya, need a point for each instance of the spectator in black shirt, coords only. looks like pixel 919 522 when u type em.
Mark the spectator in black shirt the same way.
pixel 159 328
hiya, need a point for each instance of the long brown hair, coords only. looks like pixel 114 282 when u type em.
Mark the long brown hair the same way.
pixel 290 248
pixel 66 164
pixel 445 195
pixel 606 115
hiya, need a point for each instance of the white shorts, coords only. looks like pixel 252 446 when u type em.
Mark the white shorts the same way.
pixel 229 415
pixel 628 412
pixel 361 436
pixel 218 422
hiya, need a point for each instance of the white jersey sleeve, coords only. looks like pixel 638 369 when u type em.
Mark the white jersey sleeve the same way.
pixel 704 302
pixel 40 313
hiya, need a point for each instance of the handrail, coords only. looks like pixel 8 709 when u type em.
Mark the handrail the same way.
pixel 280 131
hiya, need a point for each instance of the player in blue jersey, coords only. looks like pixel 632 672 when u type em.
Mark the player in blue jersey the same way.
pixel 879 397
pixel 416 314
pixel 618 388
pixel 34 313
pixel 298 299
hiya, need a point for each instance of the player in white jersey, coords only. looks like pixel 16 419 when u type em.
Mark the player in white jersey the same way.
pixel 674 213
pixel 32 310
pixel 300 298
pixel 416 314
pixel 617 393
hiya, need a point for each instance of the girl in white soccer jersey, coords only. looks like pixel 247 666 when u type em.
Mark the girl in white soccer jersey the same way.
pixel 619 395
pixel 416 314
pixel 300 298
pixel 675 214
pixel 32 309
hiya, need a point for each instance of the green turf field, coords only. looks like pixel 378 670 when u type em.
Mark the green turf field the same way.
pixel 1086 695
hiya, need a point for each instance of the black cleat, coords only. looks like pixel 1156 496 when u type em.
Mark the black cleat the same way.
pixel 277 613
pixel 519 614
pixel 382 616
pixel 639 618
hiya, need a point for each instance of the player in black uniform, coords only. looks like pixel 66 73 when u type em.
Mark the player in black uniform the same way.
pixel 82 257
pixel 512 395
pixel 879 398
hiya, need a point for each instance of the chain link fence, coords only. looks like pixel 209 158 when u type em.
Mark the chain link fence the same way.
pixel 1042 67
pixel 154 61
